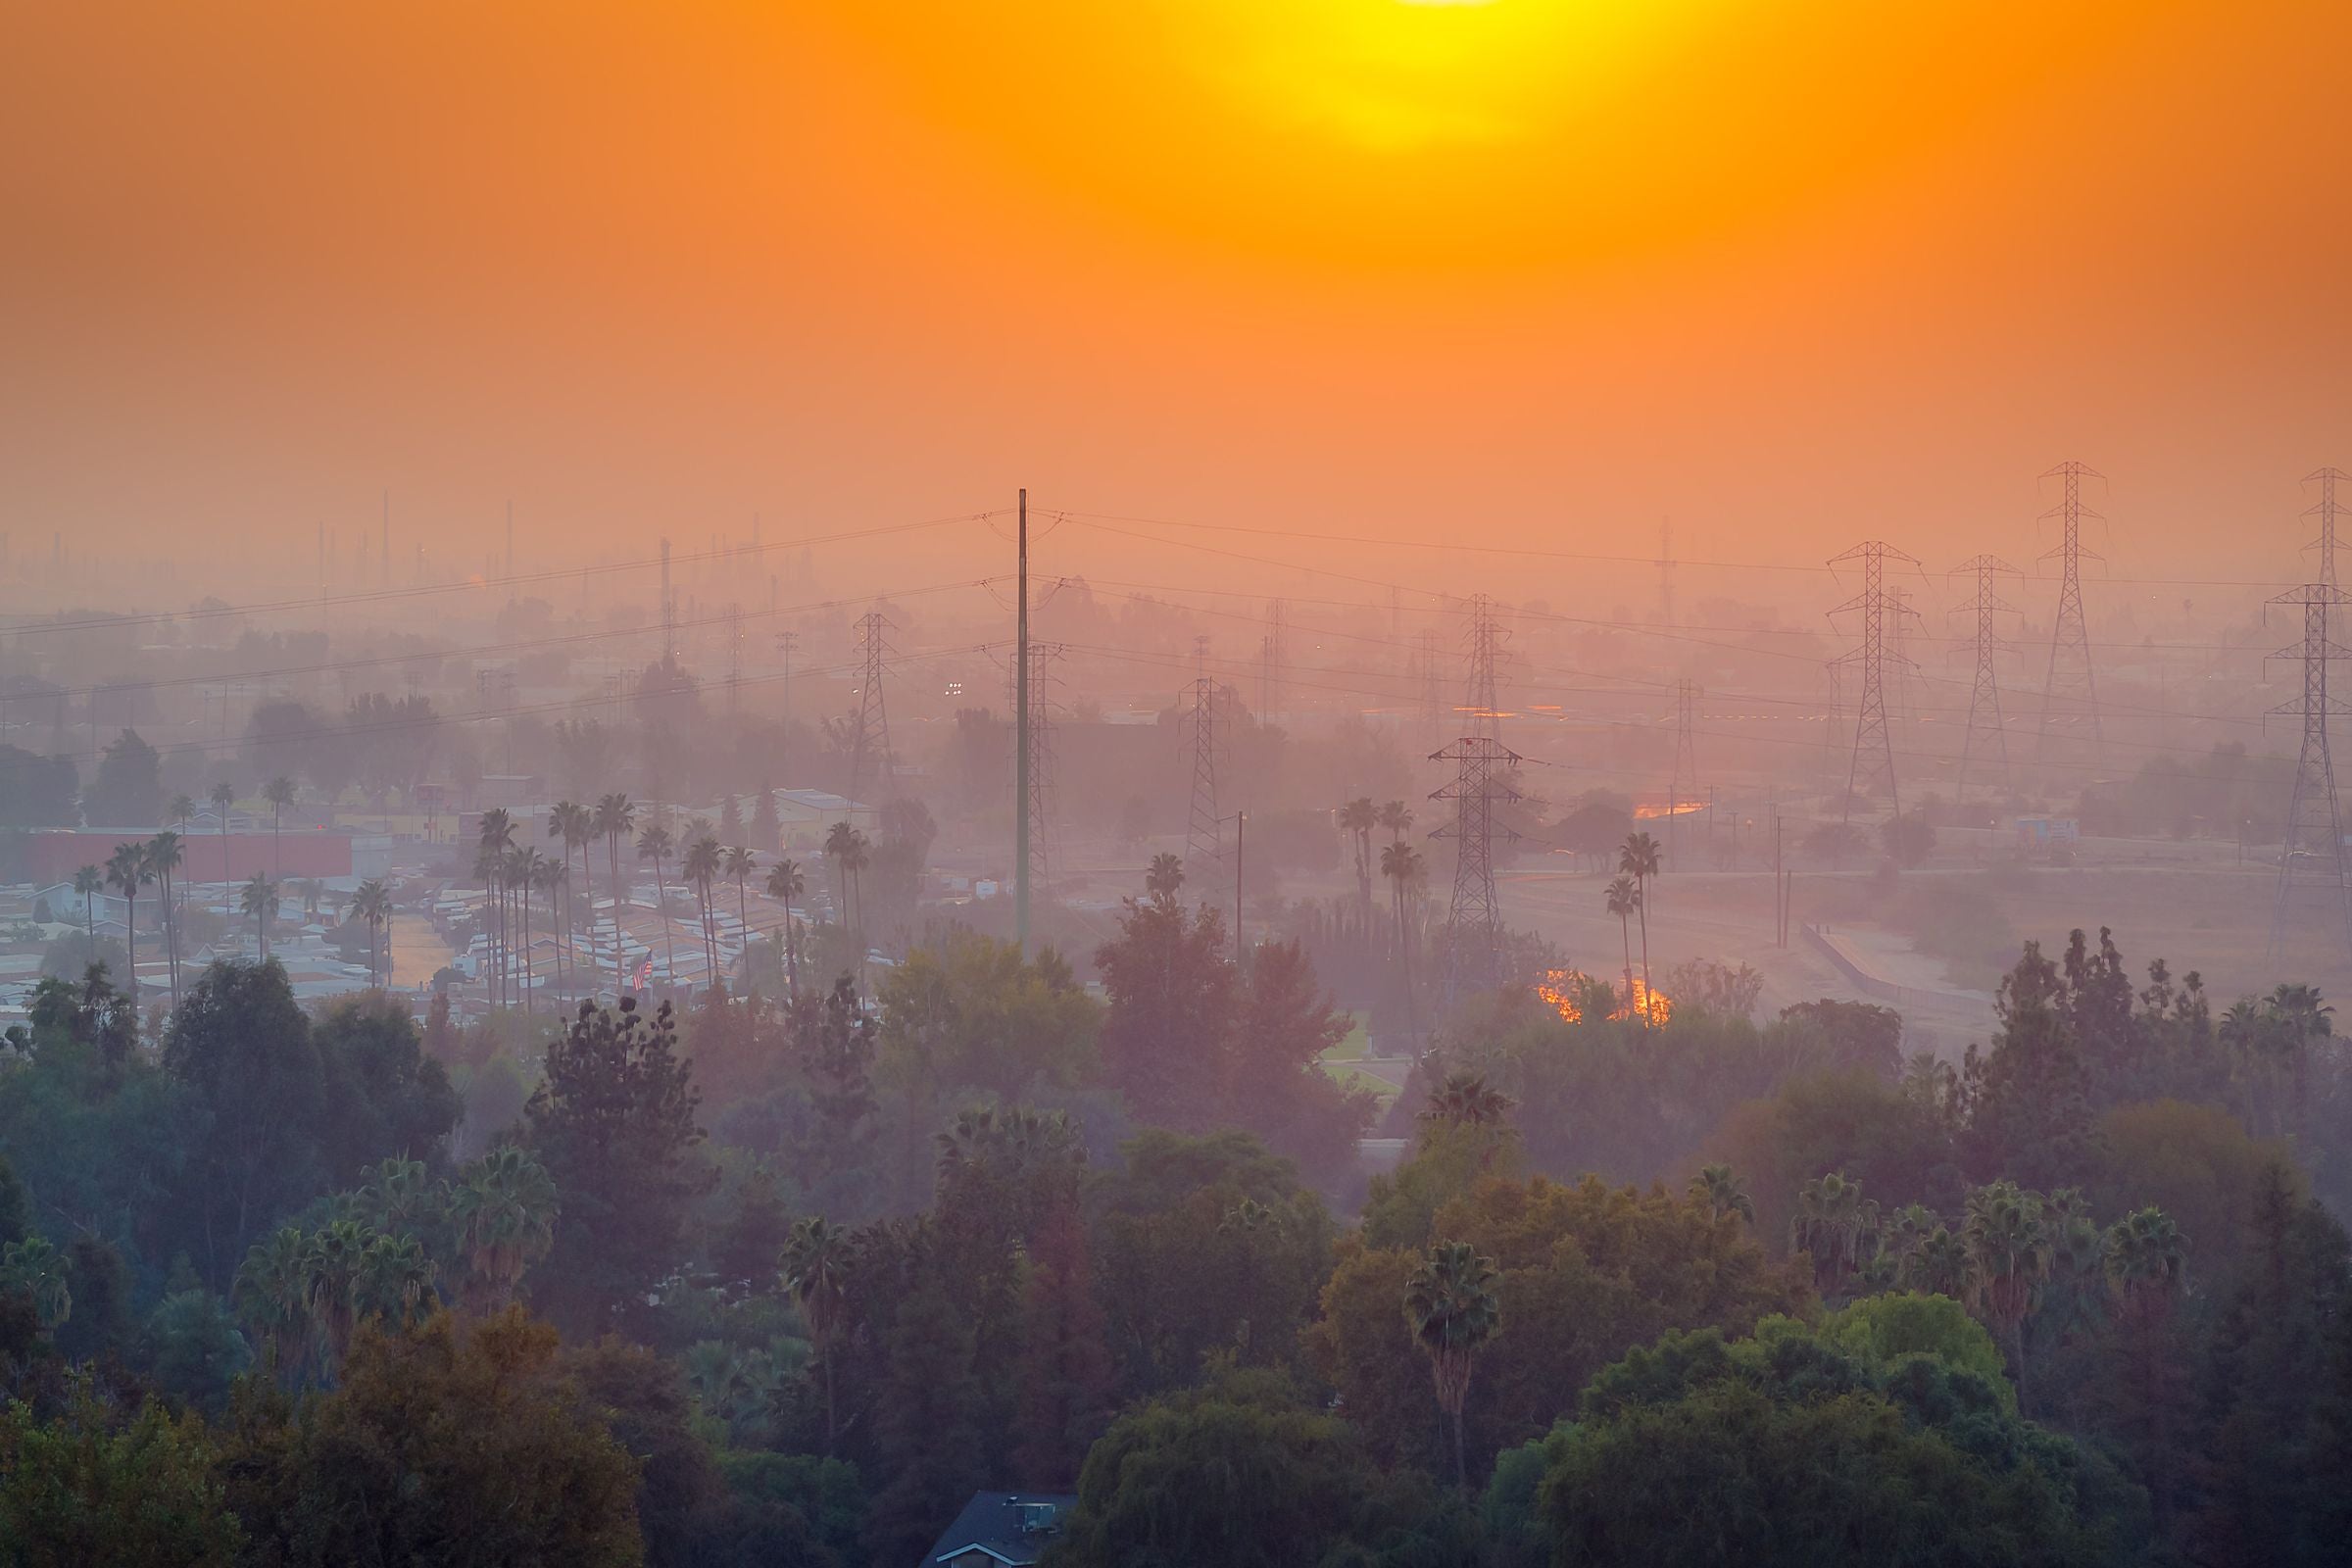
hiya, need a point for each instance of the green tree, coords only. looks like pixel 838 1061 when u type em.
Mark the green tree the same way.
pixel 99 1484
pixel 469 1449
pixel 613 1124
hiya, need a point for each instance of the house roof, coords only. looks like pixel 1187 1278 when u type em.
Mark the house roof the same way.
pixel 1006 1527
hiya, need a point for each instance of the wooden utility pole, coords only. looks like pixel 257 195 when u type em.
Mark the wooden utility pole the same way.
pixel 1020 744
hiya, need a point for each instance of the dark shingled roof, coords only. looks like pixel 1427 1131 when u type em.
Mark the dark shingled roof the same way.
pixel 1011 1526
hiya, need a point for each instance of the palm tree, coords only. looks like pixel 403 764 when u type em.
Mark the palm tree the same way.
pixel 372 904
pixel 2303 1019
pixel 1467 1100
pixel 2147 1263
pixel 224 797
pixel 1401 863
pixel 616 818
pixel 2245 1029
pixel 1831 1222
pixel 1398 818
pixel 493 864
pixel 848 848
pixel 740 864
pixel 701 867
pixel 1937 1263
pixel 1356 819
pixel 521 875
pixel 1722 1195
pixel 785 883
pixel 259 898
pixel 1453 1307
pixel 1624 899
pixel 573 823
pixel 36 1269
pixel 279 793
pixel 183 807
pixel 1640 858
pixel 654 845
pixel 2009 1255
pixel 88 883
pixel 128 871
pixel 270 1292
pixel 331 1272
pixel 1164 876
pixel 165 854
pixel 815 1266
pixel 394 1275
pixel 550 877
pixel 504 1208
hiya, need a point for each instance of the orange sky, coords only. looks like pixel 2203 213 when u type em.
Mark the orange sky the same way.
pixel 1521 271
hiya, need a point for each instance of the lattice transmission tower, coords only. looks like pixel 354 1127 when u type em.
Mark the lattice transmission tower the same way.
pixel 1685 758
pixel 2313 886
pixel 1985 740
pixel 2326 509
pixel 2069 685
pixel 1481 779
pixel 1431 683
pixel 1270 653
pixel 1483 707
pixel 1204 846
pixel 1871 769
pixel 1040 787
pixel 869 743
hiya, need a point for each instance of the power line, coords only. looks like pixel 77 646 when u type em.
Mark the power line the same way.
pixel 317 602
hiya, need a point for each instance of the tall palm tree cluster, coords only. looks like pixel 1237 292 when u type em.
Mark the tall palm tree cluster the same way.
pixel 2013 1254
pixel 395 1249
pixel 152 863
pixel 515 877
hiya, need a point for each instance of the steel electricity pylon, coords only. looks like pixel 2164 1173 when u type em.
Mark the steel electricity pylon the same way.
pixel 1038 782
pixel 2326 509
pixel 1985 740
pixel 2070 692
pixel 1483 707
pixel 2314 887
pixel 1481 779
pixel 1871 771
pixel 869 744
pixel 1270 652
pixel 1685 778
pixel 1203 844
